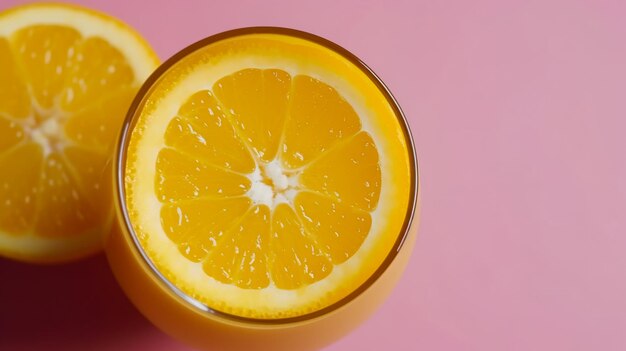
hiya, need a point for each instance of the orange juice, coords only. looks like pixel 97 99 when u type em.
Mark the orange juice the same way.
pixel 266 187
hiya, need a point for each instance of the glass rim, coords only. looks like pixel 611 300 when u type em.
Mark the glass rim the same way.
pixel 129 124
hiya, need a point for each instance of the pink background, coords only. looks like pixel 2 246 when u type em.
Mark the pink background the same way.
pixel 518 110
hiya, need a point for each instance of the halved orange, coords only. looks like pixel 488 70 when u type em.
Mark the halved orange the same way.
pixel 265 175
pixel 67 77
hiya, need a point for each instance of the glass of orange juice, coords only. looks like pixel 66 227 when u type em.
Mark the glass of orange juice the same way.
pixel 266 192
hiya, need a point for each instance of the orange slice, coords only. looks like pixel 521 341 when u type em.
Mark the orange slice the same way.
pixel 266 176
pixel 68 75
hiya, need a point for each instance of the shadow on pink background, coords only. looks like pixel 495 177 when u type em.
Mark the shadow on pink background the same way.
pixel 519 116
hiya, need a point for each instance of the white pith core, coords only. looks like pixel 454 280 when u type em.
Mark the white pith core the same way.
pixel 271 185
pixel 46 129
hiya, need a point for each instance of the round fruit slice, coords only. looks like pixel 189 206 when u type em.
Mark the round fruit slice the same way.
pixel 266 175
pixel 68 75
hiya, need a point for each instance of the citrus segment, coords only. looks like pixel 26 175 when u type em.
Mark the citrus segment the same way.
pixel 296 257
pixel 195 226
pixel 19 182
pixel 356 182
pixel 13 92
pixel 11 134
pixel 239 258
pixel 94 127
pixel 319 117
pixel 338 229
pixel 44 54
pixel 260 116
pixel 62 208
pixel 182 178
pixel 202 130
pixel 68 76
pixel 86 167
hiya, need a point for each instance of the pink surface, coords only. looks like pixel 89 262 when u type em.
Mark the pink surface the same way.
pixel 518 110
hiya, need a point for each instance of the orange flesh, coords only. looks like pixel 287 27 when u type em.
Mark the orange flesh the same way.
pixel 63 98
pixel 279 171
pixel 203 177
